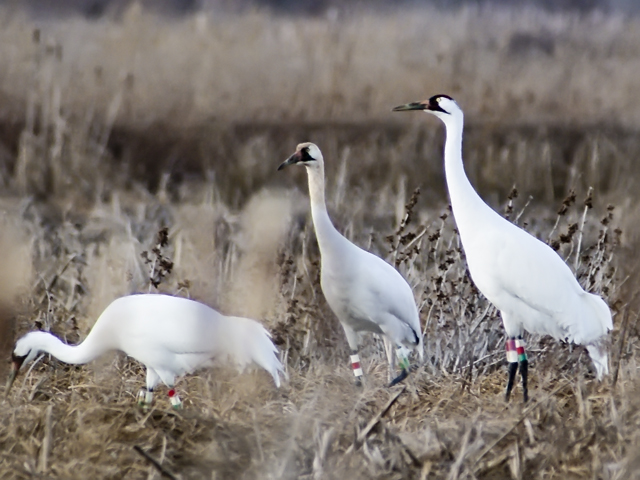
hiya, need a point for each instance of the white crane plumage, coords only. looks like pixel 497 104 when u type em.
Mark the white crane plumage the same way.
pixel 524 278
pixel 364 291
pixel 170 336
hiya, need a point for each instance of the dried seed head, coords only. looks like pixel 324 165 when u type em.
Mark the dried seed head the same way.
pixel 588 202
pixel 162 237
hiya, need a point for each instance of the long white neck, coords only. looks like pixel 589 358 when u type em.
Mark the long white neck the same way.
pixel 467 205
pixel 75 354
pixel 325 231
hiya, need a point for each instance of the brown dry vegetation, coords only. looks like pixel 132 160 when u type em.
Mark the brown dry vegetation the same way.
pixel 113 130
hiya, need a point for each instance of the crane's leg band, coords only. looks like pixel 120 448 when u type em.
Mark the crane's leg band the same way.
pixel 176 403
pixel 522 356
pixel 403 361
pixel 524 367
pixel 512 351
pixel 355 365
pixel 512 359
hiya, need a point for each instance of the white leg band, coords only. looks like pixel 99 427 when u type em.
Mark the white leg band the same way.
pixel 355 364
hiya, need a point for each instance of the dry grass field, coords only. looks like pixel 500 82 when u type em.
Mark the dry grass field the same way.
pixel 113 129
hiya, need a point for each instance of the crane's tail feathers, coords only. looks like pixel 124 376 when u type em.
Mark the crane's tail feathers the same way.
pixel 600 360
pixel 265 354
pixel 249 342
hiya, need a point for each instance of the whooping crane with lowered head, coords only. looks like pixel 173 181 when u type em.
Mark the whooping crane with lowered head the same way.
pixel 524 278
pixel 170 336
pixel 364 291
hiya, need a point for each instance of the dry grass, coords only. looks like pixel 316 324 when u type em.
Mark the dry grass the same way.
pixel 444 425
pixel 89 184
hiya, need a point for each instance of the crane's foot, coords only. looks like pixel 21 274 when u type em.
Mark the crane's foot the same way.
pixel 176 403
pixel 145 398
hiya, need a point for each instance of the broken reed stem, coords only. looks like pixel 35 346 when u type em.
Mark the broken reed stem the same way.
pixel 45 448
pixel 581 230
pixel 374 421
pixel 163 471
pixel 623 337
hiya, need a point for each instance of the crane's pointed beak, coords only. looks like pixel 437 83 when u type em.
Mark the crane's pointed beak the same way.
pixel 411 106
pixel 16 363
pixel 292 160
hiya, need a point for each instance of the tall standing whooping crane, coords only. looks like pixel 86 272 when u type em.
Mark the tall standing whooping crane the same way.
pixel 170 336
pixel 365 292
pixel 524 278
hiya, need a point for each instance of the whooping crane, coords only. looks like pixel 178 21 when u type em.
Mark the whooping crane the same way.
pixel 364 291
pixel 170 336
pixel 524 278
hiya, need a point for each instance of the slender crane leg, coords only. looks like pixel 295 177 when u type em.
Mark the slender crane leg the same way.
pixel 516 355
pixel 512 359
pixel 145 397
pixel 403 361
pixel 353 340
pixel 524 366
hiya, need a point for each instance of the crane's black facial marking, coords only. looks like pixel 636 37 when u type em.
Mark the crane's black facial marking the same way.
pixel 434 103
pixel 304 155
pixel 301 156
pixel 17 361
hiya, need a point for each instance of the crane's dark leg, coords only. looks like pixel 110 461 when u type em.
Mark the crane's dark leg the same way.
pixel 404 367
pixel 524 366
pixel 512 359
pixel 355 365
